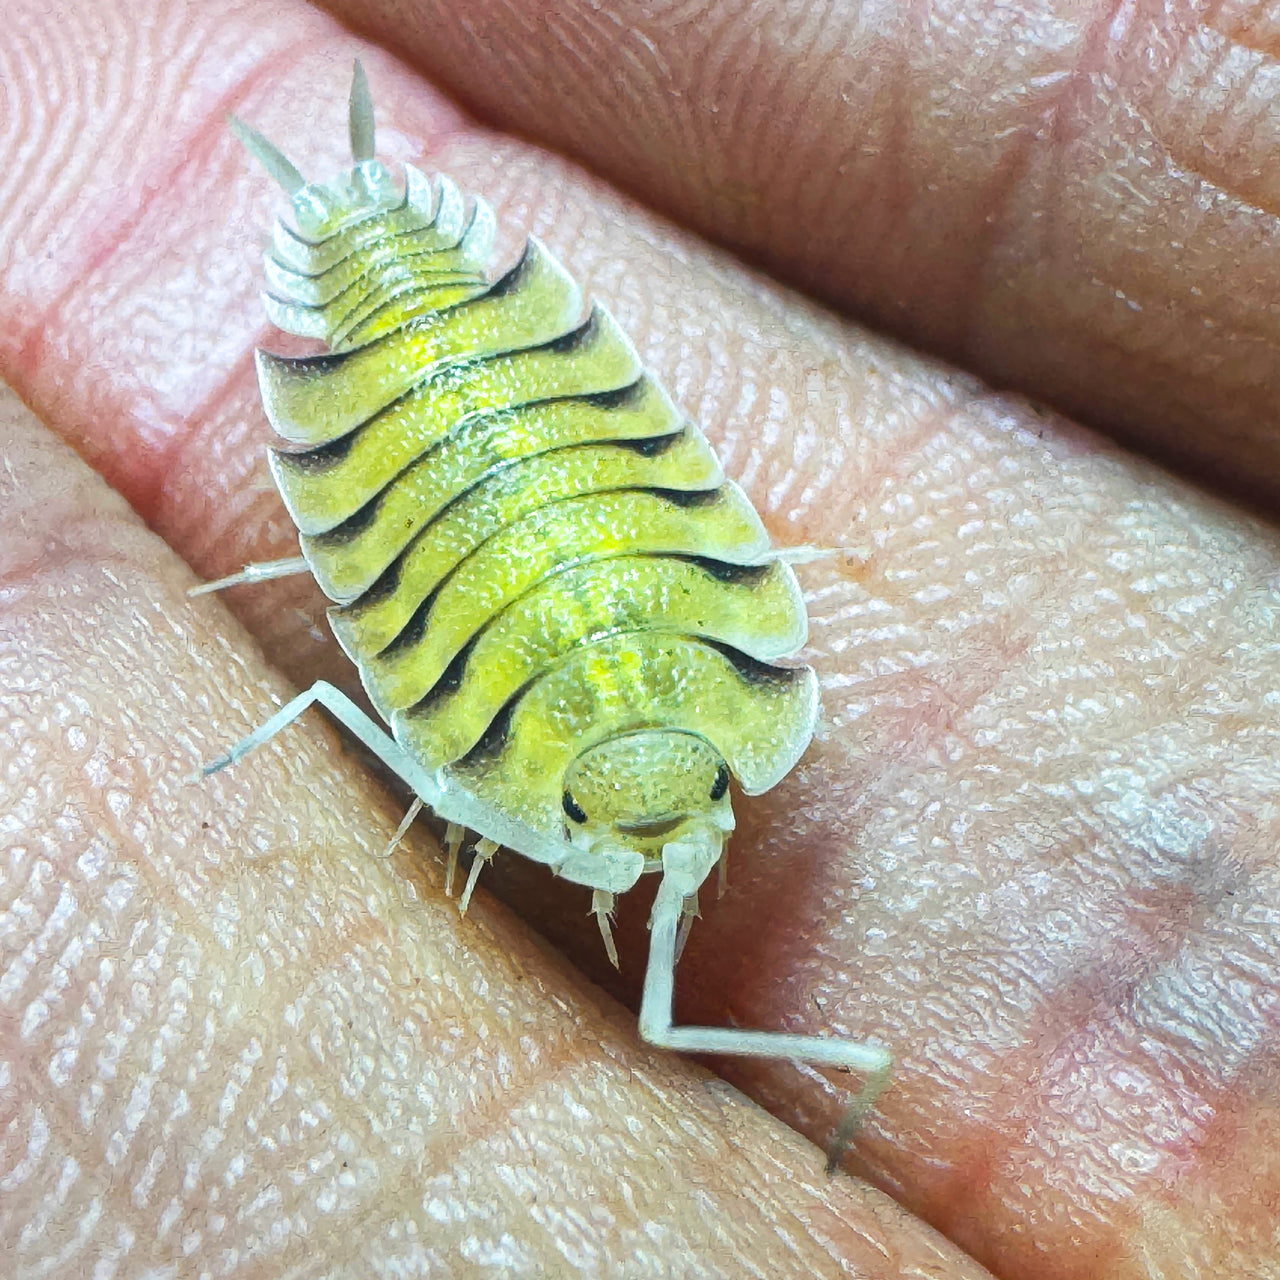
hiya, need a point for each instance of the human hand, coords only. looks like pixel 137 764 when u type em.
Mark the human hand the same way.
pixel 1013 856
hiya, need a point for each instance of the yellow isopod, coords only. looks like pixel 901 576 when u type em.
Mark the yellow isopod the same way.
pixel 568 617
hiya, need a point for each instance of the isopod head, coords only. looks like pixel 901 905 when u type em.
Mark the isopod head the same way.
pixel 645 789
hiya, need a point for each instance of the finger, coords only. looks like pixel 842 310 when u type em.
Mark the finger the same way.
pixel 1075 200
pixel 989 538
pixel 105 412
pixel 231 1031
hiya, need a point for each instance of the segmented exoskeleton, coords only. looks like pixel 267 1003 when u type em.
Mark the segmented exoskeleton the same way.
pixel 567 615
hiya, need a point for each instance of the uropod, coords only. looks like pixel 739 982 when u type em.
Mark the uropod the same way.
pixel 568 617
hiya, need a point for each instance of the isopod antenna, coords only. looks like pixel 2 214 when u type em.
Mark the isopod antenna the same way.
pixel 685 866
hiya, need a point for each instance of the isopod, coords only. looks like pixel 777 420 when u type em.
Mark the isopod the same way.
pixel 569 618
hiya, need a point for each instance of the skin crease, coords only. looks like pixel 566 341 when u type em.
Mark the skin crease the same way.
pixel 1074 199
pixel 1032 849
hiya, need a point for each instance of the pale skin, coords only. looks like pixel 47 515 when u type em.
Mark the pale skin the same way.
pixel 1032 850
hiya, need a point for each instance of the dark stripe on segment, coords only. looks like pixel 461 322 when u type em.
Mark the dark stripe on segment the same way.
pixel 549 425
pixel 508 494
pixel 595 526
pixel 620 685
pixel 322 458
pixel 455 464
pixel 349 559
pixel 314 399
pixel 691 498
pixel 753 670
pixel 390 453
pixel 729 571
pixel 628 397
pixel 490 385
pixel 497 735
pixel 572 606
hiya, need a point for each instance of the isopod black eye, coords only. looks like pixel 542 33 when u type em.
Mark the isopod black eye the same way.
pixel 573 808
pixel 721 784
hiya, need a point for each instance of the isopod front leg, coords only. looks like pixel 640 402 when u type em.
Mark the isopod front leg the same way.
pixel 388 751
pixel 602 909
pixel 656 1027
pixel 261 571
pixel 346 711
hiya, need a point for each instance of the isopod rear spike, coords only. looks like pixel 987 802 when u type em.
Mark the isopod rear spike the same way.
pixel 360 116
pixel 269 156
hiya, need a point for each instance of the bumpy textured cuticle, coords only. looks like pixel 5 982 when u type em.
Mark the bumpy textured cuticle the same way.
pixel 531 550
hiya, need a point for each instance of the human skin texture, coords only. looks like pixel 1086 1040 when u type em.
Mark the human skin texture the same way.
pixel 1074 199
pixel 237 1042
pixel 1031 850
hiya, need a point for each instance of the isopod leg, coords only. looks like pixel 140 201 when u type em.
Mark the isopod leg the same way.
pixel 855 1113
pixel 803 554
pixel 455 833
pixel 483 854
pixel 601 908
pixel 405 823
pixel 262 571
pixel 385 747
pixel 656 1028
pixel 688 914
